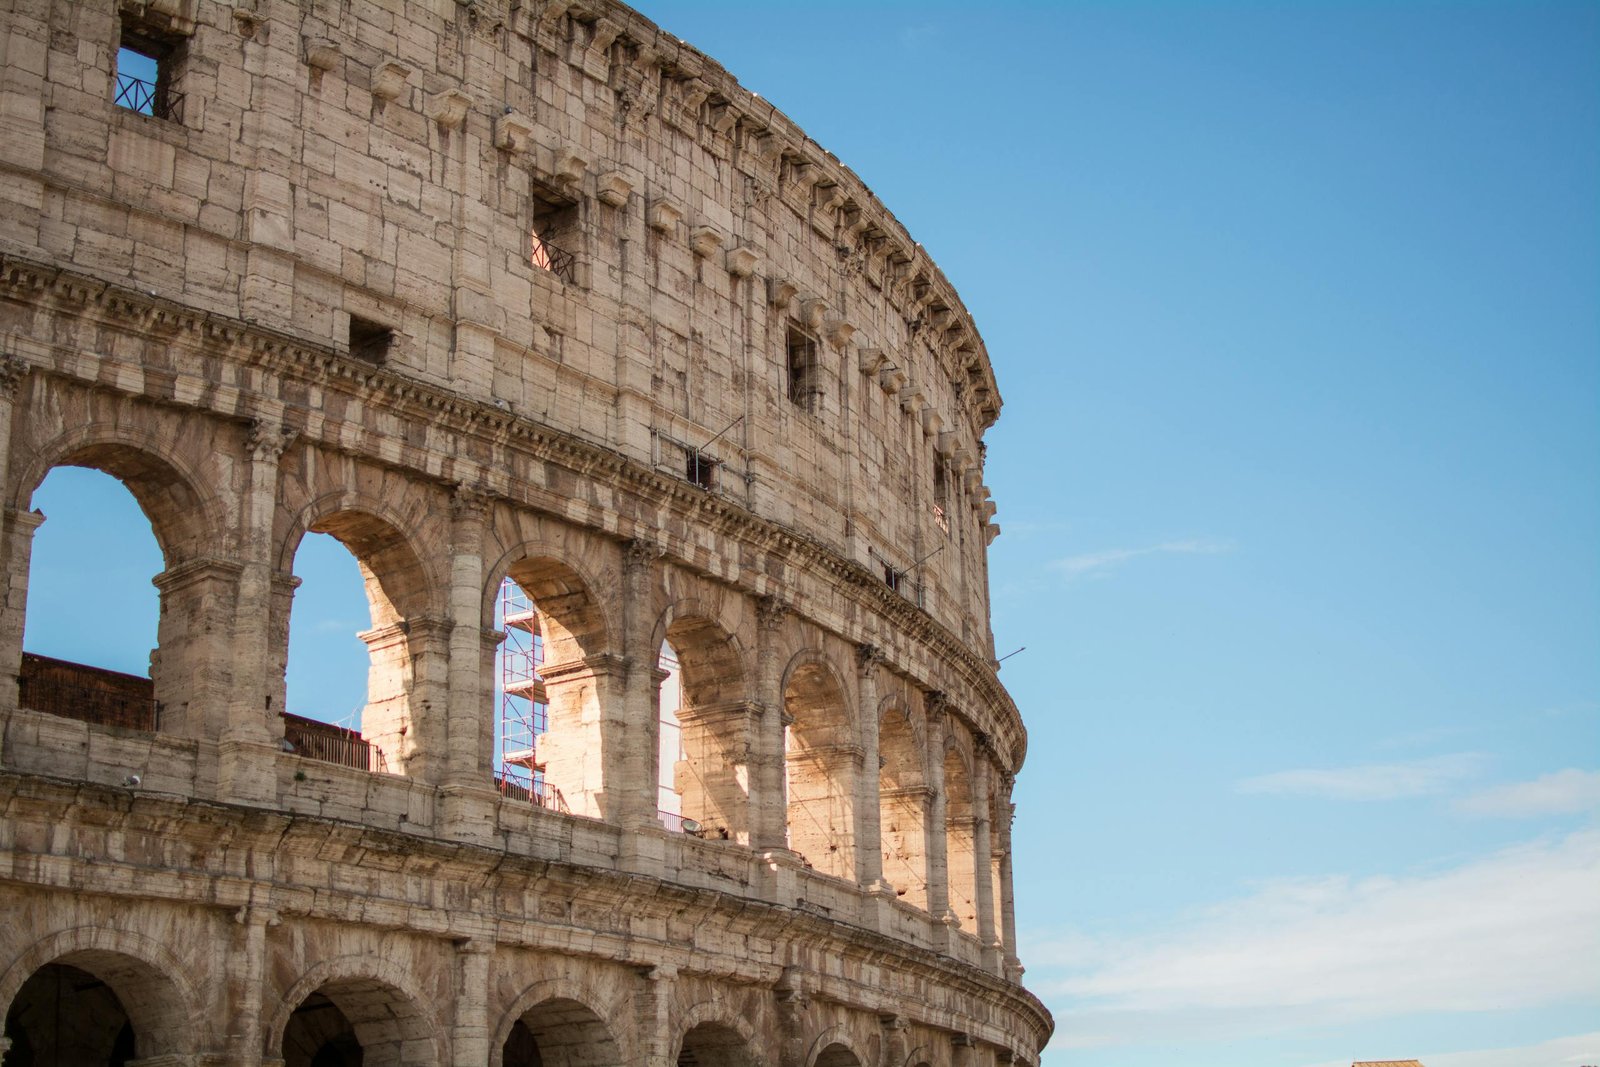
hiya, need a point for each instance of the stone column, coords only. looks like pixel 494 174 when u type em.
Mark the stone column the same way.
pixel 19 527
pixel 247 751
pixel 246 974
pixel 1008 905
pixel 469 1030
pixel 466 772
pixel 962 1051
pixel 868 828
pixel 938 863
pixel 792 1005
pixel 633 744
pixel 982 862
pixel 769 803
pixel 654 1016
pixel 894 1041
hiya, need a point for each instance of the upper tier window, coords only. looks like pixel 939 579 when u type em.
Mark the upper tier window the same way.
pixel 149 72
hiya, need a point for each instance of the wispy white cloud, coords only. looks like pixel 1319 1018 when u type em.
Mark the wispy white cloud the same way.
pixel 1515 929
pixel 1095 564
pixel 1563 793
pixel 1373 781
pixel 1557 1052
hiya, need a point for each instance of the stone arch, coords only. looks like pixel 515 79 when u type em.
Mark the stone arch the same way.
pixel 564 1021
pixel 904 800
pixel 186 521
pixel 833 1048
pixel 960 813
pixel 822 758
pixel 574 652
pixel 382 1006
pixel 184 512
pixel 716 1037
pixel 148 982
pixel 406 642
pixel 716 718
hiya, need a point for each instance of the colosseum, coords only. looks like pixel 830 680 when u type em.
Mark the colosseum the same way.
pixel 659 443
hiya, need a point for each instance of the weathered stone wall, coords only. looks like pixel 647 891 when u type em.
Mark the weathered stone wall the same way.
pixel 465 285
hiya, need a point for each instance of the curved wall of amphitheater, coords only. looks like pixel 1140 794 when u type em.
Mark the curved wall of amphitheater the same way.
pixel 494 291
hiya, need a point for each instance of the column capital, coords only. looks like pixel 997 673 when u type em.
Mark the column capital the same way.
pixel 639 553
pixel 770 612
pixel 268 438
pixel 12 370
pixel 868 658
pixel 936 705
pixel 469 502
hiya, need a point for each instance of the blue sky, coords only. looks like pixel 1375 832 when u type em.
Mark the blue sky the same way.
pixel 1294 310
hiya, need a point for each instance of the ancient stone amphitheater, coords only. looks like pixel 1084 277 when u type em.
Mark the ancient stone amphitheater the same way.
pixel 520 302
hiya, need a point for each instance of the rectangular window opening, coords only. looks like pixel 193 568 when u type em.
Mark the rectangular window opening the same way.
pixel 553 236
pixel 700 469
pixel 370 342
pixel 805 386
pixel 149 70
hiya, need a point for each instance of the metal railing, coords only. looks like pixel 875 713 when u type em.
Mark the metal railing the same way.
pixel 539 793
pixel 88 704
pixel 332 744
pixel 149 98
pixel 557 261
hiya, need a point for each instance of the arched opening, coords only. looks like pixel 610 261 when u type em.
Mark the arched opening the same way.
pixel 821 758
pixel 903 800
pixel 64 1015
pixel 836 1055
pixel 91 562
pixel 560 1033
pixel 705 724
pixel 714 1045
pixel 357 1022
pixel 669 742
pixel 91 1008
pixel 357 631
pixel 550 671
pixel 960 845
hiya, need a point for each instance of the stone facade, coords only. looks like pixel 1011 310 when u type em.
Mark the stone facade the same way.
pixel 494 290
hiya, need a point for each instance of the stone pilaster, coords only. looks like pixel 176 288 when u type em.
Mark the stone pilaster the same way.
pixel 632 731
pixel 247 748
pixel 469 1030
pixel 869 844
pixel 770 815
pixel 654 1016
pixel 938 862
pixel 465 776
pixel 982 860
pixel 16 537
pixel 246 975
pixel 1008 900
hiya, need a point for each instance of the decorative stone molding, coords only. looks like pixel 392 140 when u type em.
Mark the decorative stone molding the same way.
pixel 449 109
pixel 811 311
pixel 569 166
pixel 705 240
pixel 742 261
pixel 780 292
pixel 613 188
pixel 321 53
pixel 512 132
pixel 663 216
pixel 839 332
pixel 389 78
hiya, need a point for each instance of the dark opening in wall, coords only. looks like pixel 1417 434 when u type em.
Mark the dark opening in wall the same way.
pixel 554 235
pixel 941 495
pixel 370 341
pixel 700 469
pixel 891 577
pixel 805 385
pixel 149 72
